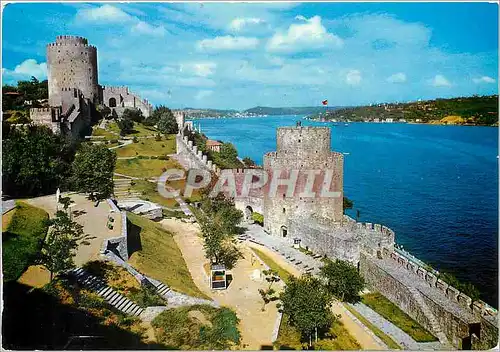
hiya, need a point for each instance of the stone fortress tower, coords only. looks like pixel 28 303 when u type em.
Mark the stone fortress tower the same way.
pixel 74 89
pixel 72 63
pixel 303 148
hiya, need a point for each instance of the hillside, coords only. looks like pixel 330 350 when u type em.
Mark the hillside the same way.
pixel 303 110
pixel 475 110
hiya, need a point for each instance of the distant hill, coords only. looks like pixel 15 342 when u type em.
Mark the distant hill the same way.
pixel 475 110
pixel 304 110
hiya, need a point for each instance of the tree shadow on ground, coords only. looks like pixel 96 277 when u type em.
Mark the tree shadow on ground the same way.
pixel 33 319
pixel 133 238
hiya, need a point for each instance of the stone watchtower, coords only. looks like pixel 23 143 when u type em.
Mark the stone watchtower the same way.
pixel 303 148
pixel 72 63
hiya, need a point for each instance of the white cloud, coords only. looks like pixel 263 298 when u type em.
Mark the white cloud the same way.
pixel 202 69
pixel 399 77
pixel 228 43
pixel 202 94
pixel 105 13
pixel 144 28
pixel 108 14
pixel 309 35
pixel 239 23
pixel 353 77
pixel 484 79
pixel 440 81
pixel 26 69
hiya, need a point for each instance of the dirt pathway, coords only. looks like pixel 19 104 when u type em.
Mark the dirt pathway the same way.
pixel 242 295
pixel 366 341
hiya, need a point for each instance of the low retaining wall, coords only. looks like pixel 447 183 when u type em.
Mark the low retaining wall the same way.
pixel 119 242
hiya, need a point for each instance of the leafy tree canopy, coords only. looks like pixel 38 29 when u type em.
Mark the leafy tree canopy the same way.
pixel 133 114
pixel 165 120
pixel 93 171
pixel 343 280
pixel 308 304
pixel 125 124
pixel 35 162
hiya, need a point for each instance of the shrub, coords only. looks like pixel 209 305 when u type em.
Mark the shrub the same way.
pixel 135 140
pixel 146 297
pixel 163 145
pixel 113 141
pixel 163 157
pixel 158 138
pixel 163 169
pixel 258 218
pixel 154 157
pixel 106 142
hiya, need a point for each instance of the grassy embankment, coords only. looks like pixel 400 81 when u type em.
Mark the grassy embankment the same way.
pixel 198 327
pixel 139 130
pixel 149 147
pixel 23 230
pixel 392 313
pixel 159 257
pixel 145 168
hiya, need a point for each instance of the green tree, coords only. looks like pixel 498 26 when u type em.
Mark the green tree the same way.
pixel 104 111
pixel 248 162
pixel 59 247
pixel 219 221
pixel 269 295
pixel 308 304
pixel 165 120
pixel 126 125
pixel 18 116
pixel 93 171
pixel 342 280
pixel 228 151
pixel 35 161
pixel 133 114
pixel 347 204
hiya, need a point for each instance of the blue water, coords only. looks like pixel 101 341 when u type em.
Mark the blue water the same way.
pixel 428 183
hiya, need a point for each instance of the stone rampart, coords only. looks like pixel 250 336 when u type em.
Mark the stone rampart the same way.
pixel 400 279
pixel 193 157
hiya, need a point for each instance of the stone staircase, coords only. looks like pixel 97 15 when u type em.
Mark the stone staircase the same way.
pixel 436 329
pixel 121 189
pixel 112 297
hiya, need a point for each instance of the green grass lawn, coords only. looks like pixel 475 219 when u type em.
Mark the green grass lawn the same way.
pixel 391 312
pixel 149 147
pixel 22 239
pixel 145 168
pixel 160 258
pixel 385 338
pixel 149 192
pixel 282 273
pixel 139 129
pixel 289 338
pixel 96 131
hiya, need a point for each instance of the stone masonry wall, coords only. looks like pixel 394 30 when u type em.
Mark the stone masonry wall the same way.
pixel 463 323
pixel 193 158
pixel 125 99
pixel 303 149
pixel 71 62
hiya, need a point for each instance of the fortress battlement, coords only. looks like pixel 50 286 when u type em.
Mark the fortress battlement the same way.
pixel 71 39
pixel 32 110
pixel 477 307
pixel 92 47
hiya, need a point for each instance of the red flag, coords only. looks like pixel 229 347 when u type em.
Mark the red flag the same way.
pixel 325 102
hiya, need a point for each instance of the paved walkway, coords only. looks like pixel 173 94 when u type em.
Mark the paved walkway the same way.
pixel 361 333
pixel 398 335
pixel 303 262
pixel 8 205
pixel 124 143
pixel 242 295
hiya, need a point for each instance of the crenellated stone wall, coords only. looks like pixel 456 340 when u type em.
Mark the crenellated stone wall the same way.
pixel 192 157
pixel 466 324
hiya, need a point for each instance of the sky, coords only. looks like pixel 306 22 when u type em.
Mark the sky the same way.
pixel 241 55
